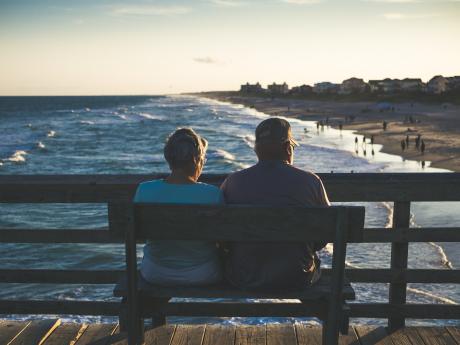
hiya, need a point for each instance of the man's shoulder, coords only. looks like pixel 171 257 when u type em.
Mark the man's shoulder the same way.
pixel 305 174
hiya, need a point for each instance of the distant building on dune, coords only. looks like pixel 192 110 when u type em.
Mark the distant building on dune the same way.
pixel 386 85
pixel 353 85
pixel 453 83
pixel 278 89
pixel 438 84
pixel 326 87
pixel 251 88
pixel 412 85
pixel 302 90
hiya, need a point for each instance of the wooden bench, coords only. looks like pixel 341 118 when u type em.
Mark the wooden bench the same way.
pixel 325 300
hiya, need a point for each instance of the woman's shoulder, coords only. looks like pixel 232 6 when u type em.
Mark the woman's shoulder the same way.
pixel 207 187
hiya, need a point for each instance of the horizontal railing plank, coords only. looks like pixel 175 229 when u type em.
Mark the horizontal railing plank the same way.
pixel 431 234
pixel 97 308
pixel 370 235
pixel 413 311
pixel 362 275
pixel 340 186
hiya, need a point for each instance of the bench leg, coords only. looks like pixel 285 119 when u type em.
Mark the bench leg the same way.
pixel 135 328
pixel 123 316
pixel 330 332
pixel 158 318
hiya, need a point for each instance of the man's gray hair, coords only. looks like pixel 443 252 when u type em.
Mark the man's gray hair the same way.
pixel 183 147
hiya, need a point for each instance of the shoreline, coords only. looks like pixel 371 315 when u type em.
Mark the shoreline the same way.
pixel 438 125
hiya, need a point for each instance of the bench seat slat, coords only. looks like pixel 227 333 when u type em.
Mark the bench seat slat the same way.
pixel 320 289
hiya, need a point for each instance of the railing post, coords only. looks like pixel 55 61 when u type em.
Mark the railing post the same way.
pixel 399 253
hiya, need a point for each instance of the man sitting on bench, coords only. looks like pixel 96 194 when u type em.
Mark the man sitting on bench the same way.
pixel 273 181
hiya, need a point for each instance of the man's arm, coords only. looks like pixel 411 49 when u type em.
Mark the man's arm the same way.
pixel 322 200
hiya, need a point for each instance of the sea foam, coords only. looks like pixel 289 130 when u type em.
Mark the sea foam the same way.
pixel 18 157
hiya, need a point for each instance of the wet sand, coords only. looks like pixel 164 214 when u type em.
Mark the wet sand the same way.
pixel 438 124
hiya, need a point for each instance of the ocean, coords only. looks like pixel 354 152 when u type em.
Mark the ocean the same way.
pixel 126 134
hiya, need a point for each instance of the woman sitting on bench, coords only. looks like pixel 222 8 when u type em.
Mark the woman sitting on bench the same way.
pixel 181 262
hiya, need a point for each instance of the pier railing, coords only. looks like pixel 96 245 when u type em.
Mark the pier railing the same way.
pixel 401 189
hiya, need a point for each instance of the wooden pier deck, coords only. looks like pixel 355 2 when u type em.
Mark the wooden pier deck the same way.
pixel 54 332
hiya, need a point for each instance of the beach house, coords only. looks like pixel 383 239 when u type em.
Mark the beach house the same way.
pixel 278 89
pixel 326 87
pixel 386 85
pixel 453 83
pixel 353 85
pixel 302 90
pixel 412 85
pixel 438 84
pixel 251 88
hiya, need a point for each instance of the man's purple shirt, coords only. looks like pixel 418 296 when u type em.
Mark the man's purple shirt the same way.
pixel 272 265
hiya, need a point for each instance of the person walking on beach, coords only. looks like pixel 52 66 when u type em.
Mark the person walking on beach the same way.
pixel 372 139
pixel 407 141
pixel 273 181
pixel 403 145
pixel 384 125
pixel 422 147
pixel 417 141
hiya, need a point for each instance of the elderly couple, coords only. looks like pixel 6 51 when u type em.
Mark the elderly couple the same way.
pixel 272 181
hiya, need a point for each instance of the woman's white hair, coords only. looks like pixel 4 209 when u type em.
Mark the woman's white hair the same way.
pixel 184 147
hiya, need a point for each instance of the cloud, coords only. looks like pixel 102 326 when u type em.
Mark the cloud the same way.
pixel 302 2
pixel 227 3
pixel 149 10
pixel 401 16
pixel 206 60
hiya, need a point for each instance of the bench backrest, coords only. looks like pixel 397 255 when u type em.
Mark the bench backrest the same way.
pixel 238 222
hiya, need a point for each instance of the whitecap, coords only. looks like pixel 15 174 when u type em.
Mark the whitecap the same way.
pixel 51 134
pixel 123 117
pixel 221 154
pixel 18 157
pixel 40 145
pixel 150 116
pixel 444 260
pixel 87 109
pixel 249 139
pixel 85 122
pixel 431 295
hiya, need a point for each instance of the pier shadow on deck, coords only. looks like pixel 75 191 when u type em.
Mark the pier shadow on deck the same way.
pixel 54 332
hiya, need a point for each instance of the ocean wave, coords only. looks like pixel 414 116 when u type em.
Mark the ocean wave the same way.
pixel 18 157
pixel 444 260
pixel 390 209
pixel 431 295
pixel 221 154
pixel 87 122
pixel 151 116
pixel 51 134
pixel 40 145
pixel 249 139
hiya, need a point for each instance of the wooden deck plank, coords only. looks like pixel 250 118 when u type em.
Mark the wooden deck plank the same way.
pixel 282 334
pixel 251 335
pixel 217 334
pixel 308 335
pixel 64 334
pixel 36 332
pixel 10 329
pixel 350 339
pixel 371 335
pixel 97 334
pixel 436 336
pixel 160 335
pixel 406 336
pixel 188 335
pixel 455 333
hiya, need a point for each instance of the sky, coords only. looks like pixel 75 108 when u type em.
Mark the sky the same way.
pixel 99 47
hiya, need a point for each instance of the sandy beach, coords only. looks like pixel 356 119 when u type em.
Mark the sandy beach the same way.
pixel 437 124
